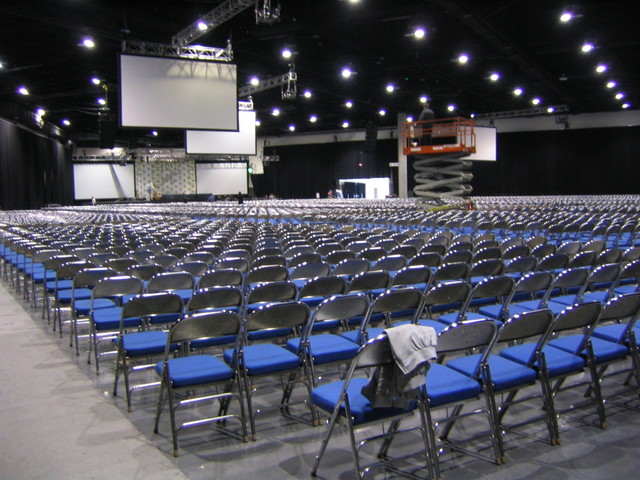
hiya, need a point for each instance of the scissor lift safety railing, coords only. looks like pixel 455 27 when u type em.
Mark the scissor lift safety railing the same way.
pixel 441 171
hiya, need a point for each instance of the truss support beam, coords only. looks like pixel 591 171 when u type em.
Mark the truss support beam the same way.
pixel 223 12
pixel 287 81
pixel 193 52
pixel 527 112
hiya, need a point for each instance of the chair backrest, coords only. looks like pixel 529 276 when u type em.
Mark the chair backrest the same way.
pixel 413 275
pixel 338 256
pixel 90 276
pixel 221 278
pixel 543 250
pixel 373 253
pixel 583 259
pixel 196 268
pixel 457 256
pixel 267 273
pixel 398 300
pixel 489 267
pixel 451 271
pixel 351 267
pixel 624 307
pixel 153 308
pixel 68 271
pixel 215 297
pixel 202 325
pixel 367 281
pixel 323 287
pixel 449 293
pixel 524 264
pixel 117 286
pixel 486 253
pixel 407 251
pixel 429 259
pixel 121 264
pixel 577 316
pixel 465 336
pixel 553 261
pixel 272 292
pixel 498 288
pixel 376 352
pixel 267 260
pixel 311 270
pixel 235 263
pixel 390 263
pixel 168 281
pixel 515 251
pixel 603 276
pixel 566 280
pixel 526 325
pixel 342 307
pixel 279 316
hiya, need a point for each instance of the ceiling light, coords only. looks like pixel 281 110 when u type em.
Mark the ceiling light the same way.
pixel 348 104
pixel 275 112
pixel 451 107
pixel 473 115
pixel 23 91
pixel 551 110
pixel 40 112
pixel 313 119
pixel 307 94
pixel 354 1
pixel 601 68
pixel 65 122
pixel 611 84
pixel 566 17
pixel 254 81
pixel 345 124
pixel 587 47
pixel 419 33
pixel 286 53
pixel 424 99
pixel 346 72
pixel 1 65
pixel 382 112
pixel 494 77
pixel 390 88
pixel 535 101
pixel 202 26
pixel 88 42
pixel 619 96
pixel 258 123
pixel 409 118
pixel 625 105
pixel 517 91
pixel 463 58
pixel 95 80
pixel 292 128
pixel 154 133
pixel 101 101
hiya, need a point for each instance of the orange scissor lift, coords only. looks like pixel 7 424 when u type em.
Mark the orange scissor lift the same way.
pixel 439 147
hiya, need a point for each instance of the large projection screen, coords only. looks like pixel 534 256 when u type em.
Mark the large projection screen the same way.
pixel 242 142
pixel 485 145
pixel 160 92
pixel 103 180
pixel 221 178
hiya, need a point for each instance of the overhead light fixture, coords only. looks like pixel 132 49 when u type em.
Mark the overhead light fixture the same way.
pixel 40 112
pixel 354 1
pixel 517 91
pixel 286 53
pixel 587 47
pixel 494 77
pixel 382 112
pixel 346 72
pixel 101 101
pixel 390 88
pixel 275 112
pixel 463 58
pixel 473 115
pixel 619 95
pixel 409 118
pixel 1 66
pixel 65 122
pixel 154 133
pixel 566 17
pixel 307 94
pixel 345 124
pixel 451 107
pixel 625 105
pixel 601 68
pixel 424 99
pixel 419 33
pixel 88 42
pixel 254 81
pixel 551 109
pixel 313 119
pixel 611 84
pixel 292 128
pixel 258 123
pixel 202 26
pixel 95 80
pixel 535 101
pixel 23 91
pixel 348 104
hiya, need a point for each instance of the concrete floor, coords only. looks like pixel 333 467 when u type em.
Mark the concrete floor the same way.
pixel 59 421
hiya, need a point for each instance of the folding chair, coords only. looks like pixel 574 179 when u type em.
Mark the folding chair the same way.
pixel 316 290
pixel 416 276
pixel 373 283
pixel 180 283
pixel 345 401
pixel 141 335
pixel 185 375
pixel 224 277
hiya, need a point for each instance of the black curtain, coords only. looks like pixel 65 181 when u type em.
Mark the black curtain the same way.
pixel 34 170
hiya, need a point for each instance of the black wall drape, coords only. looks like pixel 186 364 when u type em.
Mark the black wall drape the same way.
pixel 34 170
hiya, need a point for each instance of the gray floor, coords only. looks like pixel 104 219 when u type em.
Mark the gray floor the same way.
pixel 59 421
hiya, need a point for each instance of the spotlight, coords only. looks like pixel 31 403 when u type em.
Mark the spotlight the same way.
pixel 88 42
pixel 65 122
pixel 494 77
pixel 601 68
pixel 619 96
pixel 101 101
pixel 254 81
pixel 346 72
pixel 286 53
pixel 292 128
pixel 611 84
pixel 23 91
pixel 345 124
pixel 390 88
pixel 409 118
pixel 625 105
pixel 587 47
pixel 202 26
pixel 95 80
pixel 451 107
pixel 566 17
pixel 419 33
pixel 382 112
pixel 463 58
pixel 40 112
pixel 348 104
pixel 535 101
pixel 258 123
pixel 551 110
pixel 307 94
pixel 424 99
pixel 517 91
pixel 154 133
pixel 313 119
pixel 275 112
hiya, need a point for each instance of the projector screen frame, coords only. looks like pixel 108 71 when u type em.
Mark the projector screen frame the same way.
pixel 231 141
pixel 159 125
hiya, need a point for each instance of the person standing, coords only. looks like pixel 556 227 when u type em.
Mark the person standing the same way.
pixel 426 116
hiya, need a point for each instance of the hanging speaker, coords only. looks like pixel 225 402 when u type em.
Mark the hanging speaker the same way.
pixel 370 137
pixel 107 128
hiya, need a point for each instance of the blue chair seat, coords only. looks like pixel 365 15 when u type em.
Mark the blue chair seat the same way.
pixel 445 385
pixel 327 396
pixel 354 335
pixel 83 307
pixel 43 276
pixel 196 370
pixel 626 289
pixel 109 319
pixel 143 343
pixel 558 361
pixel 62 285
pixel 491 311
pixel 505 373
pixel 265 358
pixel 435 324
pixel 603 350
pixel 65 296
pixel 610 333
pixel 600 296
pixel 327 348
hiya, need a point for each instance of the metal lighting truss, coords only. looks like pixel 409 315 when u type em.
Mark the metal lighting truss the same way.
pixel 524 113
pixel 193 52
pixel 287 81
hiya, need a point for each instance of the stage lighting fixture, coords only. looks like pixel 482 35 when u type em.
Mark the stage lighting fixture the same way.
pixel 23 91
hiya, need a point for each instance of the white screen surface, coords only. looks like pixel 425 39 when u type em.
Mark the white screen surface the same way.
pixel 242 142
pixel 175 93
pixel 485 145
pixel 221 178
pixel 103 180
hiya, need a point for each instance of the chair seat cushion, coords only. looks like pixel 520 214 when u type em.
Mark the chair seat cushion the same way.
pixel 435 324
pixel 558 361
pixel 354 335
pixel 265 358
pixel 445 385
pixel 196 370
pixel 492 311
pixel 327 348
pixel 65 296
pixel 109 319
pixel 327 396
pixel 83 307
pixel 603 350
pixel 144 343
pixel 505 374
pixel 610 333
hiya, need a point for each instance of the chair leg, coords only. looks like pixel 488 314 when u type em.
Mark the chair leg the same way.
pixel 247 391
pixel 159 405
pixel 551 415
pixel 595 386
pixel 325 440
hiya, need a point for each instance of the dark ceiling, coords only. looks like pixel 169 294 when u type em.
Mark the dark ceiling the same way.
pixel 523 40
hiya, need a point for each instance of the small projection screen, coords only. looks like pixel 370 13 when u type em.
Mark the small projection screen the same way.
pixel 103 180
pixel 221 178
pixel 242 142
pixel 485 145
pixel 158 92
